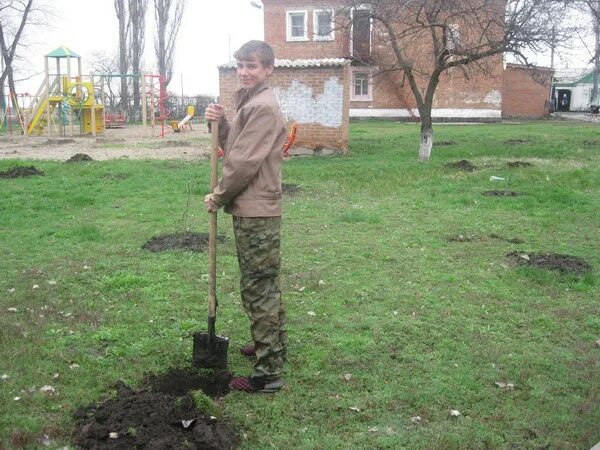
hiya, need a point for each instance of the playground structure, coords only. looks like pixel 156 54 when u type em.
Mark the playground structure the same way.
pixel 68 103
pixel 62 100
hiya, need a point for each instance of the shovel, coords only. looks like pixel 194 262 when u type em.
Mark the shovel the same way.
pixel 210 350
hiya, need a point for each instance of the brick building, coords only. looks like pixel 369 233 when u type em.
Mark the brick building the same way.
pixel 318 59
pixel 526 91
pixel 312 93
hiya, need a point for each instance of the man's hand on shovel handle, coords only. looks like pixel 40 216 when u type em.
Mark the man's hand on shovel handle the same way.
pixel 210 203
pixel 214 112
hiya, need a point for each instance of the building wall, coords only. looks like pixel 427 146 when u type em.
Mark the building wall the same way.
pixel 479 96
pixel 315 98
pixel 525 91
pixel 581 95
pixel 275 32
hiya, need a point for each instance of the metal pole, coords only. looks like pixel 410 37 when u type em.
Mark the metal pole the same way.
pixel 47 97
pixel 144 100
pixel 93 107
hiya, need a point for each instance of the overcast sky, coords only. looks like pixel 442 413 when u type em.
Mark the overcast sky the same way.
pixel 89 26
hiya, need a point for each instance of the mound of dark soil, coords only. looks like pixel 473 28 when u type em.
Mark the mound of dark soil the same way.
pixel 594 142
pixel 463 164
pixel 151 419
pixel 551 261
pixel 443 143
pixel 290 188
pixel 502 193
pixel 21 171
pixel 518 164
pixel 78 157
pixel 518 141
pixel 195 242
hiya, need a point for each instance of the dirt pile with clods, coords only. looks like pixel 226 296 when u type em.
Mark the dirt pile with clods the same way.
pixel 165 413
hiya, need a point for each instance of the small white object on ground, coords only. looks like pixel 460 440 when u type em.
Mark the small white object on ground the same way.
pixel 348 376
pixel 416 419
pixel 35 286
pixel 4 377
pixel 311 313
pixel 47 389
pixel 494 178
pixel 113 435
pixel 52 282
pixel 13 309
pixel 354 408
pixel 454 413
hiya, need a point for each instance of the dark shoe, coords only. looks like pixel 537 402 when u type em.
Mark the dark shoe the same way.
pixel 248 351
pixel 248 384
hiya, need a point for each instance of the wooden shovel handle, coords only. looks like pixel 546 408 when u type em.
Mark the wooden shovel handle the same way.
pixel 212 237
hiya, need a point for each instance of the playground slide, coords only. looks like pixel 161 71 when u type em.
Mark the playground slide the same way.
pixel 39 119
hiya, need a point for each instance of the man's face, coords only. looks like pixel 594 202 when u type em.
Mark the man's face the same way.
pixel 252 72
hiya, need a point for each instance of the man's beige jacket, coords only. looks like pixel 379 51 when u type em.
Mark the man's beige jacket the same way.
pixel 251 182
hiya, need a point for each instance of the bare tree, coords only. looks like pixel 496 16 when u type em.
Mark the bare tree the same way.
pixel 104 63
pixel 12 13
pixel 416 41
pixel 121 12
pixel 137 18
pixel 168 15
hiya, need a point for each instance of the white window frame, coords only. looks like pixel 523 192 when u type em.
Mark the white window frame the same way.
pixel 362 98
pixel 317 36
pixel 288 26
pixel 362 7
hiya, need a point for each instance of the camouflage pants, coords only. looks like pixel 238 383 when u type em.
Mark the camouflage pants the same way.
pixel 258 242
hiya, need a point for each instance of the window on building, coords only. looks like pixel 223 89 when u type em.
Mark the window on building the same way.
pixel 361 86
pixel 296 26
pixel 323 23
pixel 361 34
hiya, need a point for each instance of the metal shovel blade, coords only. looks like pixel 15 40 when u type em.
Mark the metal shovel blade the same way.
pixel 209 352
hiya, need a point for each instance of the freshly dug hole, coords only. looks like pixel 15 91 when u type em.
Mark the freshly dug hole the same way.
pixel 463 164
pixel 79 157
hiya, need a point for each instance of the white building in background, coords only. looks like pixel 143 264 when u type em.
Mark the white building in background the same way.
pixel 573 89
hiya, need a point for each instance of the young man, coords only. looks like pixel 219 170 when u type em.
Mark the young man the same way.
pixel 250 190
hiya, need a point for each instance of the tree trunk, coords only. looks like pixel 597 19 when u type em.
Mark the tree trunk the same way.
pixel 121 12
pixel 426 137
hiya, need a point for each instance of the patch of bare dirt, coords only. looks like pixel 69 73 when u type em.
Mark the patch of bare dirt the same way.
pixel 21 171
pixel 58 142
pixel 194 242
pixel 509 240
pixel 461 238
pixel 161 415
pixel 443 143
pixel 592 142
pixel 502 193
pixel 80 157
pixel 290 189
pixel 551 261
pixel 514 164
pixel 463 164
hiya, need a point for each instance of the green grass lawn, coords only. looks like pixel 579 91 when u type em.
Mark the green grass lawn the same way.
pixel 406 322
